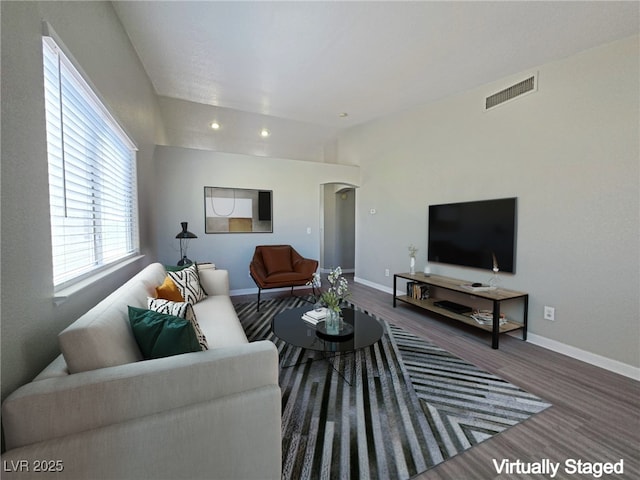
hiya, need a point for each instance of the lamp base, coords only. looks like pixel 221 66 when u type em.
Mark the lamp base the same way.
pixel 184 261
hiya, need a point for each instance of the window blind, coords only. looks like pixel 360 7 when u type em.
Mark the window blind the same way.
pixel 92 175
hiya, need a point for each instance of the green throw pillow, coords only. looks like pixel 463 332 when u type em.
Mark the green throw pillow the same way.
pixel 160 335
pixel 176 268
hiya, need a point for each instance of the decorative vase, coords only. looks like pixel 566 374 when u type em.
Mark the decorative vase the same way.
pixel 333 322
pixel 412 266
pixel 494 281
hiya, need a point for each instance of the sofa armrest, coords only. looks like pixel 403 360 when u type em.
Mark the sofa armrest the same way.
pixel 57 407
pixel 214 281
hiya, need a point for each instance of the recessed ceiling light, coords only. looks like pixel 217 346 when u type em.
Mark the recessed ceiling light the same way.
pixel 265 133
pixel 343 115
pixel 215 125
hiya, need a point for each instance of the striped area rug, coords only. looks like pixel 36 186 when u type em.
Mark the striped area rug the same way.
pixel 410 406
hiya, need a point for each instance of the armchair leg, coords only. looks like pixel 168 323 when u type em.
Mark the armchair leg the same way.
pixel 258 307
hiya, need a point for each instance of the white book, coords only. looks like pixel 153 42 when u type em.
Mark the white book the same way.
pixel 317 314
pixel 311 320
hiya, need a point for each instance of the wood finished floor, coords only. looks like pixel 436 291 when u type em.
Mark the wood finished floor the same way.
pixel 595 415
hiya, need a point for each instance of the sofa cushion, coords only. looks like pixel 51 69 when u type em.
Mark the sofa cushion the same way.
pixel 182 310
pixel 277 259
pixel 169 290
pixel 219 322
pixel 188 283
pixel 160 335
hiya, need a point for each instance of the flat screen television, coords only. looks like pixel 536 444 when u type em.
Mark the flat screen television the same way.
pixel 469 234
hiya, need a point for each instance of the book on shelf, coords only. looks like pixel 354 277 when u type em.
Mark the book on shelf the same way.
pixel 485 317
pixel 417 290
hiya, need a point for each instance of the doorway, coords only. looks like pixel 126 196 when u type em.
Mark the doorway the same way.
pixel 338 230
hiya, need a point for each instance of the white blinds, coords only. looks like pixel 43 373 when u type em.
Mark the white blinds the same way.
pixel 92 175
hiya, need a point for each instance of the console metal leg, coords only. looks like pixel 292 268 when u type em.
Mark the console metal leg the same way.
pixel 395 278
pixel 525 316
pixel 495 334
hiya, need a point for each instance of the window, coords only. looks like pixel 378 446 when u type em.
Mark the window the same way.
pixel 92 175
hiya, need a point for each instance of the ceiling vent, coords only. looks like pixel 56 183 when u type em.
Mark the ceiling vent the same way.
pixel 525 86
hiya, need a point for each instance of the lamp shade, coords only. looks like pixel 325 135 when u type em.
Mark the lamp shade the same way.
pixel 185 233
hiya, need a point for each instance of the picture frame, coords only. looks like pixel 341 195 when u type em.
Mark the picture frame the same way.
pixel 237 210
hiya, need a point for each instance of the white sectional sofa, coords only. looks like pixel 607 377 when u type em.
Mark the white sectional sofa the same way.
pixel 100 412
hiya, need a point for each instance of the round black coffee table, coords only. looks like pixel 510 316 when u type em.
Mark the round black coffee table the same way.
pixel 290 327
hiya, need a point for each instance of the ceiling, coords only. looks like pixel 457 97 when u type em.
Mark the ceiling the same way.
pixel 313 61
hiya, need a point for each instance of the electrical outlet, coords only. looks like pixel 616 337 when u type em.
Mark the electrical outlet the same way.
pixel 549 313
pixel 386 272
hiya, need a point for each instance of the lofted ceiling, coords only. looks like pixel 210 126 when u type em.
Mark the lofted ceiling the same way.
pixel 313 61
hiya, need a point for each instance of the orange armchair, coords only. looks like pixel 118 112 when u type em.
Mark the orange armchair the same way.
pixel 275 266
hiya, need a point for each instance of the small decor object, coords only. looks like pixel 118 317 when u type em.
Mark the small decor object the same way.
pixel 494 281
pixel 338 291
pixel 332 322
pixel 412 256
pixel 184 237
pixel 427 270
pixel 324 331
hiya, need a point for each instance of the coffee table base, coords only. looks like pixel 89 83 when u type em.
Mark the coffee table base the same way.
pixel 327 359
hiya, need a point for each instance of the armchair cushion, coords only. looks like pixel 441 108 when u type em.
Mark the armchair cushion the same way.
pixel 277 259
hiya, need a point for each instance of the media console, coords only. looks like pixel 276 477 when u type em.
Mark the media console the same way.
pixel 426 291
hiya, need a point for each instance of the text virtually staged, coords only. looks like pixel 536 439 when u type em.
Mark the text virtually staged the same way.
pixel 571 466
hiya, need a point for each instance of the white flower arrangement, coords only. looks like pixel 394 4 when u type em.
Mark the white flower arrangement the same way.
pixel 338 290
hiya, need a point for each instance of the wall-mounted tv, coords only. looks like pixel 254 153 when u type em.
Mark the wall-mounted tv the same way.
pixel 470 233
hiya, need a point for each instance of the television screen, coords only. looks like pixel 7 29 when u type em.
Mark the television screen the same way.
pixel 471 233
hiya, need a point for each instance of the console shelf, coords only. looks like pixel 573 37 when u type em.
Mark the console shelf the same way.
pixel 496 296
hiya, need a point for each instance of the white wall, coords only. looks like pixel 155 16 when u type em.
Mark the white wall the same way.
pixel 188 125
pixel 569 152
pixel 183 173
pixel 94 36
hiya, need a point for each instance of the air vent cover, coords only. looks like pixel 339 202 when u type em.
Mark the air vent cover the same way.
pixel 525 86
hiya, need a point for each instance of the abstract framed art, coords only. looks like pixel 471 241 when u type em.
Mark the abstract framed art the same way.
pixel 237 210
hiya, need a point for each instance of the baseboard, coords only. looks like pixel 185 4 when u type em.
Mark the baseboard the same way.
pixel 344 270
pixel 377 286
pixel 594 359
pixel 591 358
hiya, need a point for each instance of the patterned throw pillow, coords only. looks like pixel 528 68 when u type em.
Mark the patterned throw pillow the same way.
pixel 188 282
pixel 182 310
